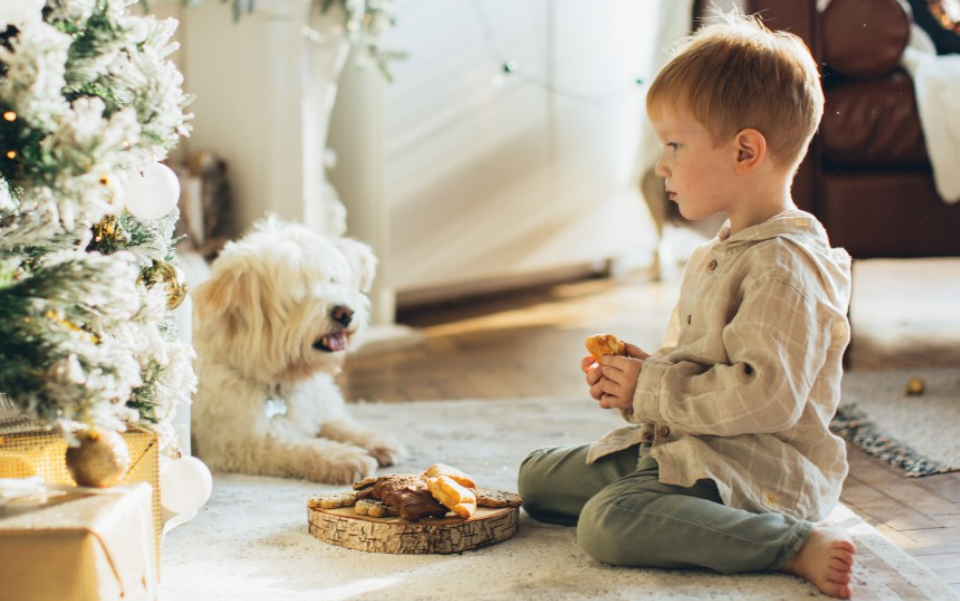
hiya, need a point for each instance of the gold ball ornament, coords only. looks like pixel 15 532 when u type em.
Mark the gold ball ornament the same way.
pixel 173 278
pixel 175 283
pixel 100 460
pixel 915 387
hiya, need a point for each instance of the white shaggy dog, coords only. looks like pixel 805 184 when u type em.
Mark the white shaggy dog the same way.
pixel 271 327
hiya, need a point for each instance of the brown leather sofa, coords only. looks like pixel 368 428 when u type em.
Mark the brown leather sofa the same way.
pixel 867 175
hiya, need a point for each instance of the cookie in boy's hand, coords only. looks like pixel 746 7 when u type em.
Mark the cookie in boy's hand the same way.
pixel 605 344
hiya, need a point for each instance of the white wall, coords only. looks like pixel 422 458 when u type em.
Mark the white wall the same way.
pixel 488 176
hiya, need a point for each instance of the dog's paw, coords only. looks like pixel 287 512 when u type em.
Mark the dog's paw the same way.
pixel 347 467
pixel 387 450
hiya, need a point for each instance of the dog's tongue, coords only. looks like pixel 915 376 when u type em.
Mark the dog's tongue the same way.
pixel 336 342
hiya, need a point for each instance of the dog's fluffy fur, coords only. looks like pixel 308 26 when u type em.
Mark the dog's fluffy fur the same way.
pixel 271 327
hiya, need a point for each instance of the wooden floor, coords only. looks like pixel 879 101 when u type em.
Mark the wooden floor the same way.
pixel 529 344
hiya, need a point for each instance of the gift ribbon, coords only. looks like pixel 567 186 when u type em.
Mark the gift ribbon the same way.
pixel 34 491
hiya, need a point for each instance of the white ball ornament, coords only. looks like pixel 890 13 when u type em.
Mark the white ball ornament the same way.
pixel 185 485
pixel 16 12
pixel 152 193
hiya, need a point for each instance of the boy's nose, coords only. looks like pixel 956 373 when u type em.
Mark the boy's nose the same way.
pixel 659 168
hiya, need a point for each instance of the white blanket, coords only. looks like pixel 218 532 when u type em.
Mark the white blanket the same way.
pixel 936 83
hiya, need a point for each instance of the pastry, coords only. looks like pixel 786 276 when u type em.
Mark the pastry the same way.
pixel 442 469
pixel 407 494
pixel 605 344
pixel 457 498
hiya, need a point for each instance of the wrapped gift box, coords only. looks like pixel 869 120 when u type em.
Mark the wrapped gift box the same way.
pixel 27 451
pixel 82 545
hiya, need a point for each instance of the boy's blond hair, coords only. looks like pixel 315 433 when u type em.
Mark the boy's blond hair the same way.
pixel 735 74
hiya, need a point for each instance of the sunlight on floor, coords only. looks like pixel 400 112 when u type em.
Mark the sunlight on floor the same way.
pixel 576 306
pixel 905 312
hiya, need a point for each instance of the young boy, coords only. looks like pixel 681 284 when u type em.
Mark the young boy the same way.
pixel 728 460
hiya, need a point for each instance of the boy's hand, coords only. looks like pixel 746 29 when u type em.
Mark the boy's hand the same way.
pixel 614 380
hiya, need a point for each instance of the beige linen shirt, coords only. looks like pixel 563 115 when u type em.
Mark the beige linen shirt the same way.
pixel 745 389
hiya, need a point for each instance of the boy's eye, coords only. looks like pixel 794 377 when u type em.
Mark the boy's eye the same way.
pixel 673 146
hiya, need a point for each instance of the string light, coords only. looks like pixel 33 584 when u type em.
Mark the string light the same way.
pixel 10 116
pixel 11 154
pixel 510 68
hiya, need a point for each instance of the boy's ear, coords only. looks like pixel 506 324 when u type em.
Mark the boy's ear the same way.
pixel 751 148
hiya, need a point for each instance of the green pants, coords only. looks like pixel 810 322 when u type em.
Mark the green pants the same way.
pixel 625 516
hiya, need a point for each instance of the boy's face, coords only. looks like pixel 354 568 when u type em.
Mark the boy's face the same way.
pixel 698 170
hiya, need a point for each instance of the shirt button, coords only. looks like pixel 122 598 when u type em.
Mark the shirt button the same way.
pixel 663 431
pixel 712 265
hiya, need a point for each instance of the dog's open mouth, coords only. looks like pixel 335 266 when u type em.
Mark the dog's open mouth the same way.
pixel 332 343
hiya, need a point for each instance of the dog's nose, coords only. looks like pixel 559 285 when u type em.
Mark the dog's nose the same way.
pixel 342 315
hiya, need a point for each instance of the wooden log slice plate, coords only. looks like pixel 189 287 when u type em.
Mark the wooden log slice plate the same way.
pixel 344 528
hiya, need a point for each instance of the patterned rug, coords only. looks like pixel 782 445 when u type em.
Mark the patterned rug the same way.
pixel 907 418
pixel 250 542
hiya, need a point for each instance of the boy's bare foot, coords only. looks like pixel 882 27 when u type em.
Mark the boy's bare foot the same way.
pixel 826 560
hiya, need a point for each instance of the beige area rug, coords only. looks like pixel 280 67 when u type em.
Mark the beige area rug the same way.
pixel 916 433
pixel 250 543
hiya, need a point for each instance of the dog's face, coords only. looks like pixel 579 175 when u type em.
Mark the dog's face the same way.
pixel 284 302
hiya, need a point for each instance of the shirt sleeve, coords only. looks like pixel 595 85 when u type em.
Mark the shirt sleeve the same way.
pixel 669 341
pixel 775 345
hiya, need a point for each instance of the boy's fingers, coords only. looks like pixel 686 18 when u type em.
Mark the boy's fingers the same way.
pixel 609 401
pixel 588 363
pixel 611 373
pixel 608 386
pixel 635 351
pixel 618 362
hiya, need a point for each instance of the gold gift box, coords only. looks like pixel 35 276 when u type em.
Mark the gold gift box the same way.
pixel 27 451
pixel 81 545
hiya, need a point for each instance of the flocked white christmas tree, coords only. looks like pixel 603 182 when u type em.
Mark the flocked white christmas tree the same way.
pixel 90 102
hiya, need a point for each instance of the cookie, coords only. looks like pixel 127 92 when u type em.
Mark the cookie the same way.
pixel 366 482
pixel 487 497
pixel 372 508
pixel 332 501
pixel 599 345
